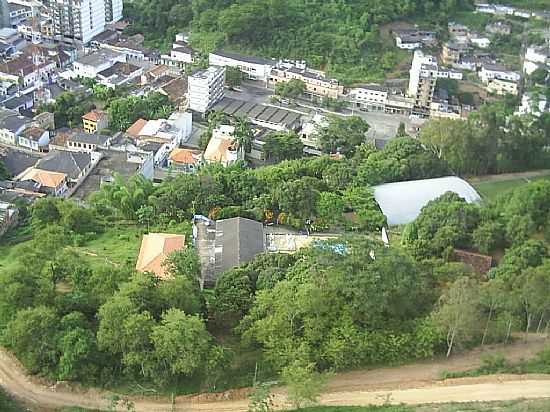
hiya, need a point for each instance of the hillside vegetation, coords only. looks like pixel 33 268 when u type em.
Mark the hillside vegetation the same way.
pixel 340 36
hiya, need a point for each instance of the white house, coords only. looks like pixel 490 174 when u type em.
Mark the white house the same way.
pixel 491 71
pixel 536 57
pixel 533 103
pixel 206 88
pixel 254 68
pixel 11 126
pixel 34 138
pixel 96 62
pixel 407 42
pixel 480 41
pixel 222 147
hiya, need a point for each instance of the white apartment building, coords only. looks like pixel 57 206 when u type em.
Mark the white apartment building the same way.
pixel 77 20
pixel 113 11
pixel 254 68
pixel 96 62
pixel 369 96
pixel 489 72
pixel 206 88
pixel 535 58
pixel 422 79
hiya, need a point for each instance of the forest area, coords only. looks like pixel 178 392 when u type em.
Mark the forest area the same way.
pixel 341 37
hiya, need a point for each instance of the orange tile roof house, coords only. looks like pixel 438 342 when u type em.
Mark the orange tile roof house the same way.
pixel 187 160
pixel 53 183
pixel 155 248
pixel 95 121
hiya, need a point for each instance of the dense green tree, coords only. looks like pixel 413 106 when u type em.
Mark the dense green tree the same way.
pixel 293 89
pixel 233 76
pixel 458 314
pixel 181 344
pixel 32 335
pixel 342 134
pixel 233 296
pixel 283 146
pixel 443 224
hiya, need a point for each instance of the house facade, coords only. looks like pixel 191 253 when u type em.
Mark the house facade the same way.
pixel 34 138
pixel 94 121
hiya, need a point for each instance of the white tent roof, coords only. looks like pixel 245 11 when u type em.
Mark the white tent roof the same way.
pixel 401 202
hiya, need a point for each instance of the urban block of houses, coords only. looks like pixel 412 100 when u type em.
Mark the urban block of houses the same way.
pixel 185 160
pixel 205 88
pixel 34 138
pixel 95 121
pixel 162 135
pixel 222 147
pixel 155 249
pixel 316 82
pixel 254 68
pixel 87 142
pixel 92 64
pixel 27 69
pixel 411 39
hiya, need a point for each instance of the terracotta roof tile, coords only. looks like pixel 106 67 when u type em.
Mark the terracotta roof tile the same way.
pixel 135 129
pixel 155 248
pixel 185 156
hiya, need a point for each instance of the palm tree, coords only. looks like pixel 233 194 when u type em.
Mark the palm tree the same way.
pixel 243 135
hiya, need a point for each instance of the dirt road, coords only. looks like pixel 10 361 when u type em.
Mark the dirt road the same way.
pixel 411 384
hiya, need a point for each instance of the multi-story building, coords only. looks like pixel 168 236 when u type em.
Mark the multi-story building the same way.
pixel 113 11
pixel 95 121
pixel 369 96
pixel 489 72
pixel 206 88
pixel 452 52
pixel 316 82
pixel 254 68
pixel 533 103
pixel 422 80
pixel 77 20
pixel 502 86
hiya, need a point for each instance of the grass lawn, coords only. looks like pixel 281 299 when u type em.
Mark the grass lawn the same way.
pixel 115 246
pixel 491 190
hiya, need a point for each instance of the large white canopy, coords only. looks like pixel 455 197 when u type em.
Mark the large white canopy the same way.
pixel 401 202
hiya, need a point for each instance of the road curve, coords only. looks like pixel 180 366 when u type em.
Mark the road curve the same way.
pixel 412 387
